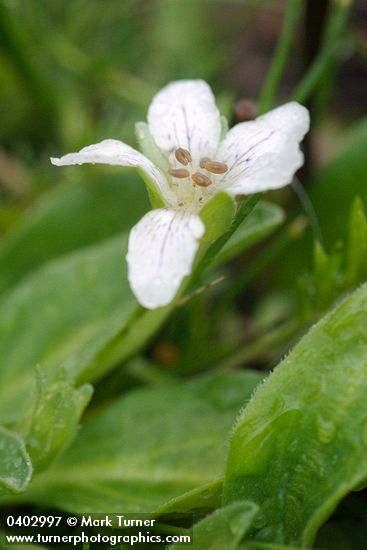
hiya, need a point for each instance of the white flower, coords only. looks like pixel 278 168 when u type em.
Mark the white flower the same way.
pixel 187 161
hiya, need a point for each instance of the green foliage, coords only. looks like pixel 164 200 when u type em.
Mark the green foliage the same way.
pixel 69 217
pixel 332 191
pixel 261 222
pixel 15 463
pixel 356 255
pixel 54 421
pixel 225 528
pixel 335 187
pixel 338 271
pixel 86 329
pixel 300 445
pixel 205 497
pixel 62 315
pixel 147 447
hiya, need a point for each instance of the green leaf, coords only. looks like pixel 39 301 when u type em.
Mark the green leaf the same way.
pixel 64 315
pixel 356 264
pixel 55 418
pixel 224 529
pixel 260 223
pixel 15 463
pixel 343 268
pixel 69 217
pixel 300 445
pixel 327 276
pixel 147 448
pixel 205 497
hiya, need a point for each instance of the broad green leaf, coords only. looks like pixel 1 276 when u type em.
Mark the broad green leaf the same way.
pixel 53 424
pixel 224 528
pixel 147 448
pixel 15 463
pixel 300 445
pixel 69 217
pixel 64 315
pixel 260 223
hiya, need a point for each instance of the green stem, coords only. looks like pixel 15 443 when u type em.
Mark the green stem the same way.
pixel 282 52
pixel 333 40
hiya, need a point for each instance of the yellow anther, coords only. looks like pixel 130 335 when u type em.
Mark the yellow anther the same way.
pixel 179 173
pixel 203 161
pixel 183 156
pixel 213 167
pixel 201 179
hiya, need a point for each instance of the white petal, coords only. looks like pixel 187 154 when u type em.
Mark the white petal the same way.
pixel 184 114
pixel 114 152
pixel 264 153
pixel 162 248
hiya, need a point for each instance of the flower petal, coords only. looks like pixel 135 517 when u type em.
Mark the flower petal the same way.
pixel 162 248
pixel 264 153
pixel 184 114
pixel 117 153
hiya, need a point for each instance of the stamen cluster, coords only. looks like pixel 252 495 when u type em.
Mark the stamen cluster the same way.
pixel 183 157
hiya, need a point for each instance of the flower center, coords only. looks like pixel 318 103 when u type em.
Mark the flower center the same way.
pixel 200 178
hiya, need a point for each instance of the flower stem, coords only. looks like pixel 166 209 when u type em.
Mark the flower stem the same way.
pixel 333 40
pixel 282 52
